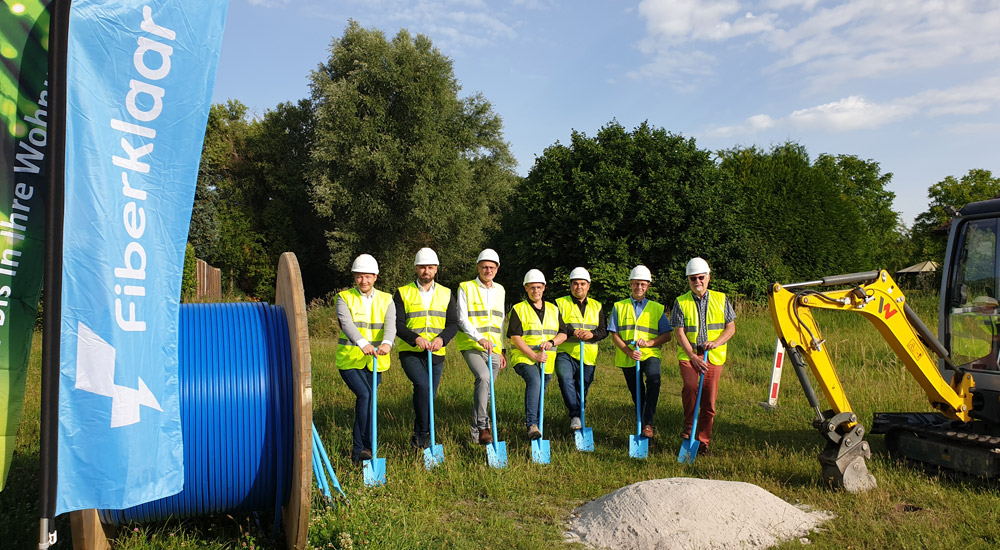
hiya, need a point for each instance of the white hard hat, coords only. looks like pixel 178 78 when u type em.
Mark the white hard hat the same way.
pixel 426 256
pixel 365 263
pixel 579 273
pixel 534 276
pixel 489 254
pixel 640 273
pixel 696 266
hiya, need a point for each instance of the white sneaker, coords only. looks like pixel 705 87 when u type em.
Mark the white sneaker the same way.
pixel 575 424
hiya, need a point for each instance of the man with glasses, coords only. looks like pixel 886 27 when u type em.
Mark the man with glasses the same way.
pixel 703 321
pixel 638 328
pixel 480 318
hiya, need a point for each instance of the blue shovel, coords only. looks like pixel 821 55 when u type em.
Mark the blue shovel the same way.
pixel 540 447
pixel 496 452
pixel 374 468
pixel 689 447
pixel 638 445
pixel 321 460
pixel 584 436
pixel 434 454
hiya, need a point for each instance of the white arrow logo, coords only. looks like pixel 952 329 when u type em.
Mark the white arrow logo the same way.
pixel 95 373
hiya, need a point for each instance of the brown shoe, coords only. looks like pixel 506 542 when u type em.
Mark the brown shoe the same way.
pixel 647 431
pixel 534 433
pixel 485 436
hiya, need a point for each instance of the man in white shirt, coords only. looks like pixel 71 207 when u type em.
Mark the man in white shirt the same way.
pixel 481 307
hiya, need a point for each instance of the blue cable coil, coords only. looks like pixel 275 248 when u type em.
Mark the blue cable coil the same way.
pixel 235 377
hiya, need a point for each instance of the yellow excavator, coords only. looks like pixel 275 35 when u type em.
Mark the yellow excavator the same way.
pixel 961 379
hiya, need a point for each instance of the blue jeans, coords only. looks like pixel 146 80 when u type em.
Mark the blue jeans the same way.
pixel 532 390
pixel 568 371
pixel 649 392
pixel 415 367
pixel 359 381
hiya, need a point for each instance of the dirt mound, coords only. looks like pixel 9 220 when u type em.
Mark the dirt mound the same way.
pixel 689 513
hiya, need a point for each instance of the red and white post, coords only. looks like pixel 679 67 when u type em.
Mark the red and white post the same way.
pixel 779 359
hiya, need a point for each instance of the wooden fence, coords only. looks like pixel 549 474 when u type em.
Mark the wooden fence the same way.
pixel 209 282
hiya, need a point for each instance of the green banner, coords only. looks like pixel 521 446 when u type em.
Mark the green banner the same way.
pixel 24 26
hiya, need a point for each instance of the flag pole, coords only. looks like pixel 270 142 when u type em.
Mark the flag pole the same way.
pixel 52 316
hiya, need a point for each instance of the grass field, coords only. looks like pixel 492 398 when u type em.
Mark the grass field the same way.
pixel 466 504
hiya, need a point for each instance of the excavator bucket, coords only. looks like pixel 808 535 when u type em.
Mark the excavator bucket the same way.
pixel 843 459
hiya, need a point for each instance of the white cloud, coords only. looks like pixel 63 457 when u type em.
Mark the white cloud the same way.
pixel 680 21
pixel 858 113
pixel 453 23
pixel 805 5
pixel 752 125
pixel 681 72
pixel 850 113
pixel 854 39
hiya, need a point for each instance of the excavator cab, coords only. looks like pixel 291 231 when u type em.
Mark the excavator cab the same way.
pixel 969 314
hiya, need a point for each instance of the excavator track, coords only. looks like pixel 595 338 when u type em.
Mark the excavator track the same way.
pixel 934 441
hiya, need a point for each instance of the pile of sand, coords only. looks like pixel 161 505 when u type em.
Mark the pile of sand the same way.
pixel 689 513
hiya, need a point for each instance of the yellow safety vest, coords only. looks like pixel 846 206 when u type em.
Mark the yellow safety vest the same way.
pixel 535 332
pixel 646 327
pixel 573 319
pixel 371 325
pixel 488 322
pixel 715 323
pixel 429 322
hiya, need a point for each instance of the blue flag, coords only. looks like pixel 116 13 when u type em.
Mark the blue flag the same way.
pixel 139 85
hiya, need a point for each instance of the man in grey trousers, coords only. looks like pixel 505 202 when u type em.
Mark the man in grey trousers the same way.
pixel 480 320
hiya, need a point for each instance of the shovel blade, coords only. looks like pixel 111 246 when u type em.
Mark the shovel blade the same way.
pixel 688 452
pixel 433 456
pixel 540 451
pixel 638 446
pixel 374 472
pixel 584 439
pixel 496 454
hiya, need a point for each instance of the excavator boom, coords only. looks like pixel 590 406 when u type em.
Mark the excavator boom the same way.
pixel 876 296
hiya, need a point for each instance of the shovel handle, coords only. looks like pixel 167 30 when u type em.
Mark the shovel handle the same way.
pixel 374 405
pixel 697 402
pixel 430 390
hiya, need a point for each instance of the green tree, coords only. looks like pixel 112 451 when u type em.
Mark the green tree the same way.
pixel 610 202
pixel 788 220
pixel 930 235
pixel 252 200
pixel 862 186
pixel 400 161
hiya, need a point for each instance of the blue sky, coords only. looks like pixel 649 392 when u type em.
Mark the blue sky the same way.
pixel 911 84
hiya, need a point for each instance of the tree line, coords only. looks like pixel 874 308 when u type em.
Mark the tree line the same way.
pixel 386 157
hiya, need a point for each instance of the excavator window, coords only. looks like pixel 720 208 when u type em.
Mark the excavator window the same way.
pixel 974 315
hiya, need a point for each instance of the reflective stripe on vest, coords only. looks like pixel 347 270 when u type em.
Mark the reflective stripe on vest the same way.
pixel 429 322
pixel 535 332
pixel 715 323
pixel 573 319
pixel 646 327
pixel 371 325
pixel 488 322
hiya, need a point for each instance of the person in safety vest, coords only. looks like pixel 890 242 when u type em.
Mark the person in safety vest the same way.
pixel 534 328
pixel 638 328
pixel 367 319
pixel 426 319
pixel 702 320
pixel 481 306
pixel 585 322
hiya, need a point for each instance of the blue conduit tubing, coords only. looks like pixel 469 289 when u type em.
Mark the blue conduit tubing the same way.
pixel 235 377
